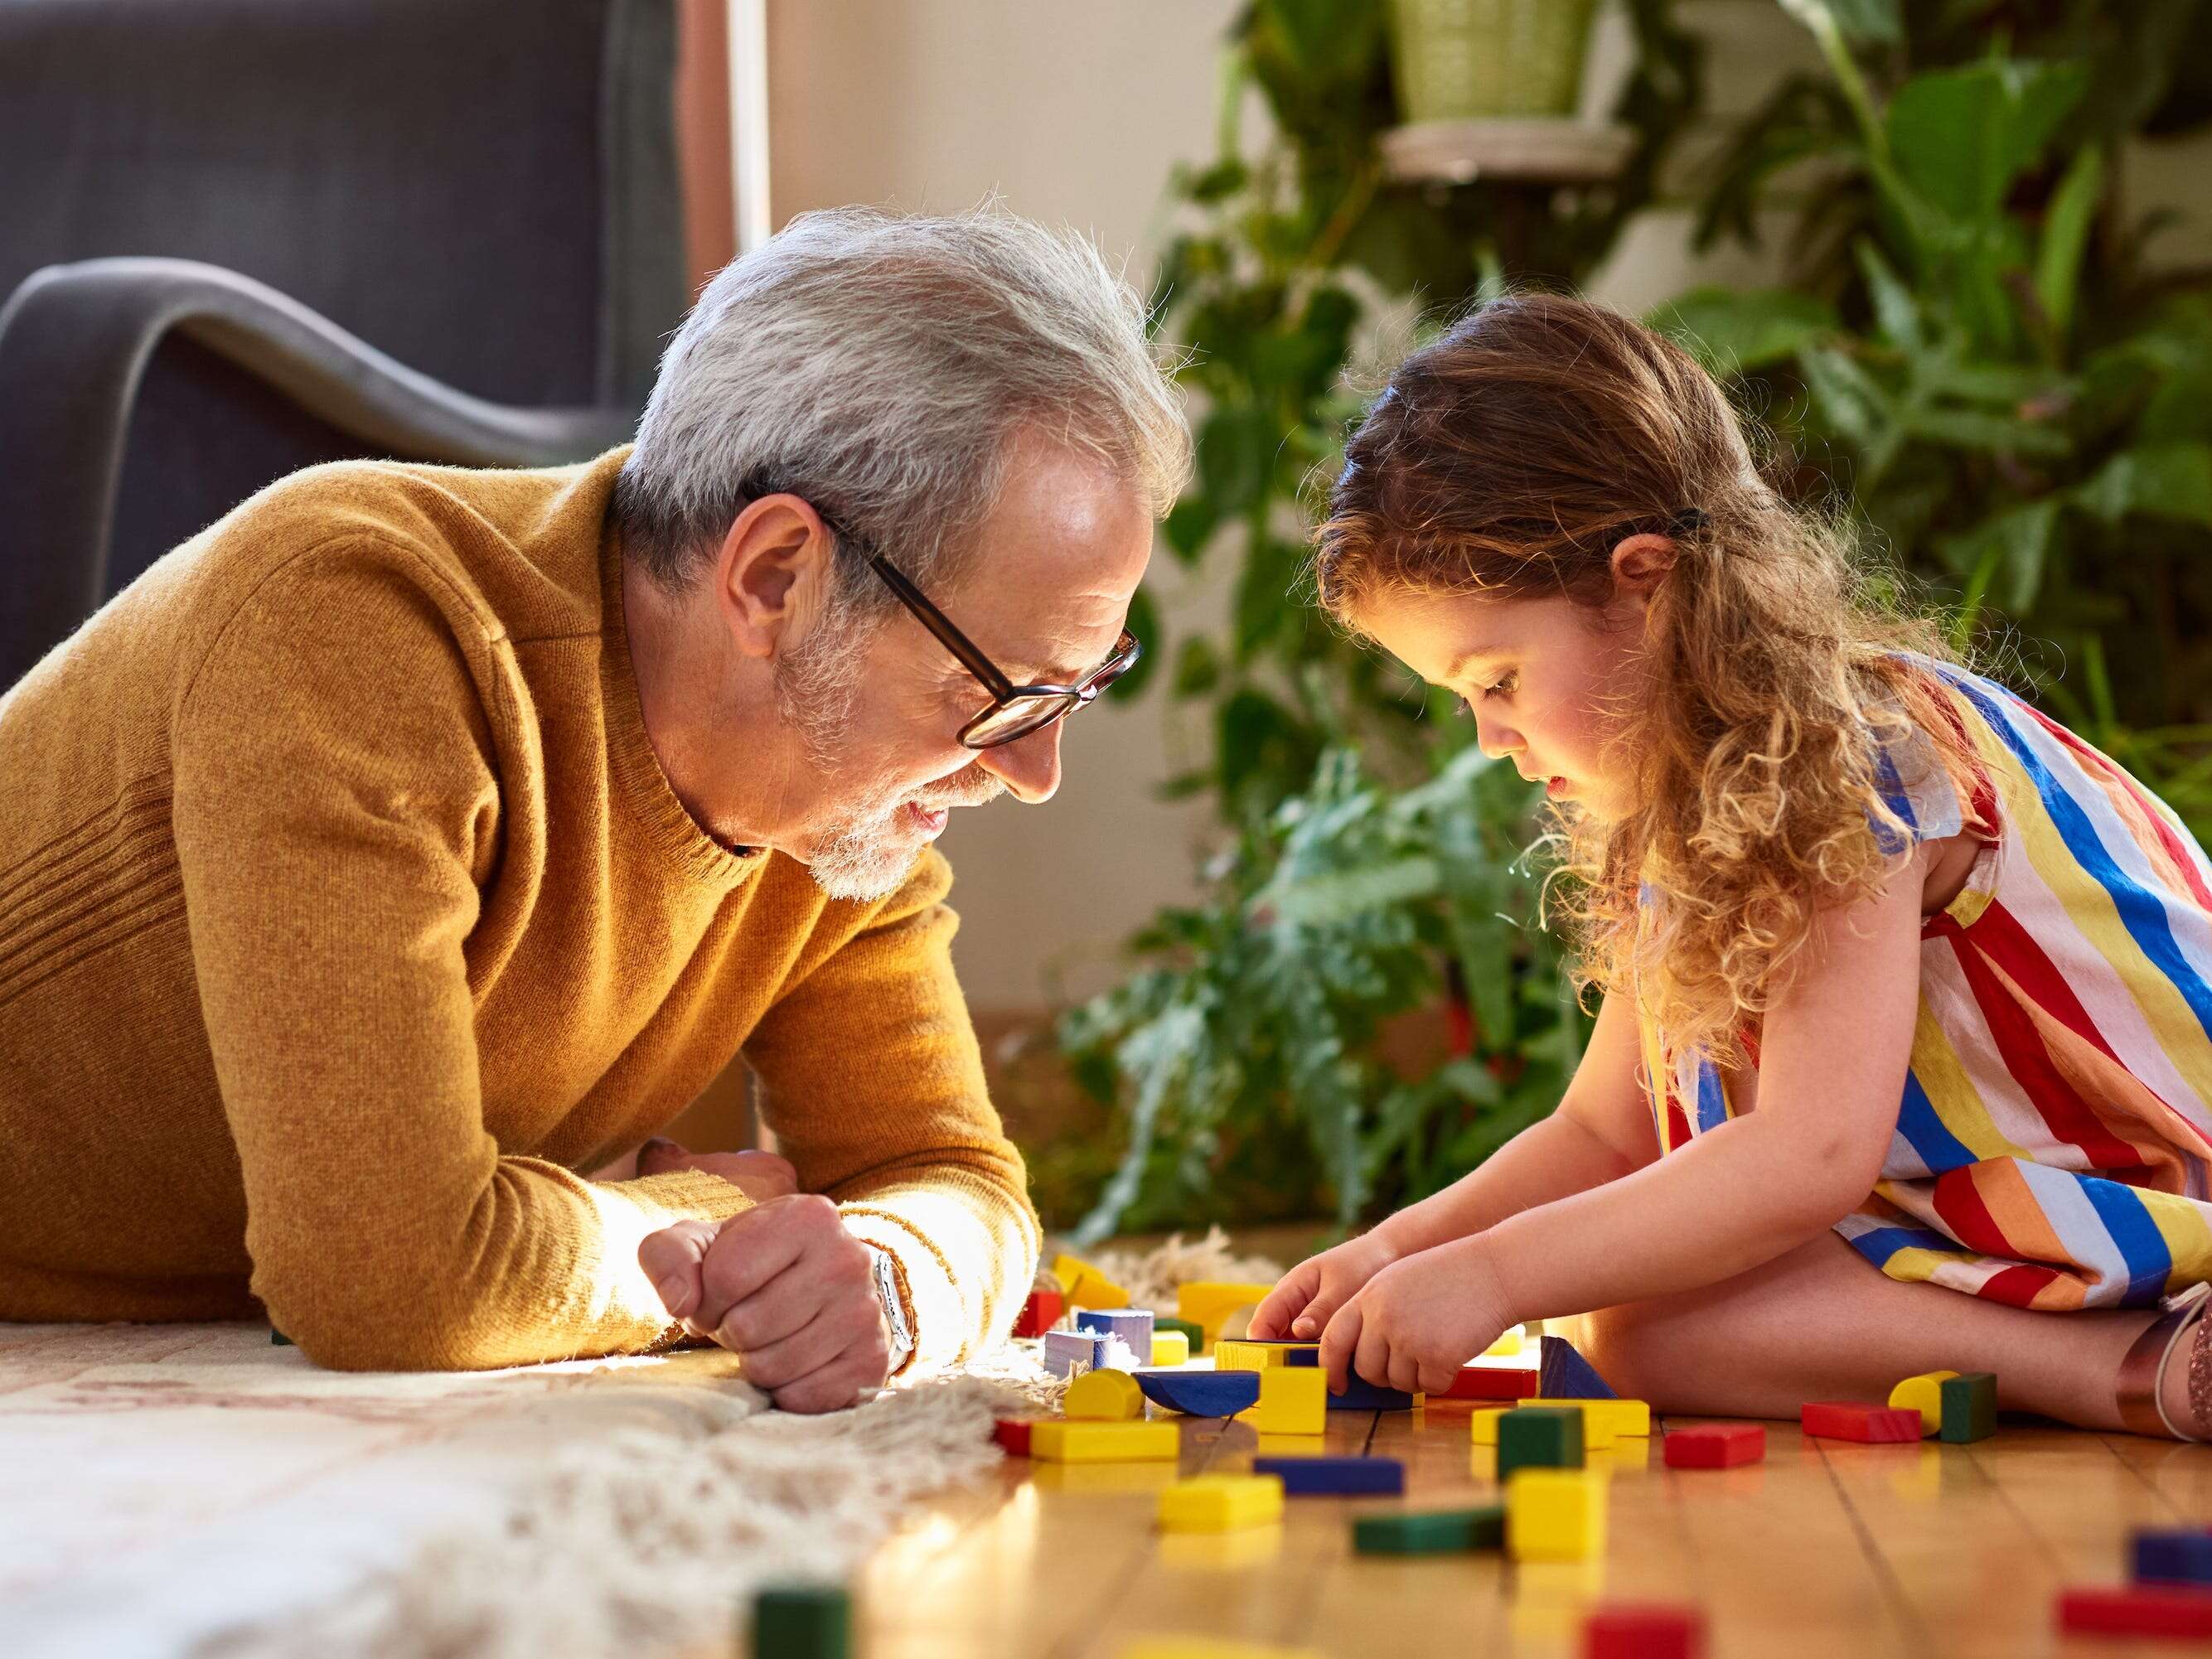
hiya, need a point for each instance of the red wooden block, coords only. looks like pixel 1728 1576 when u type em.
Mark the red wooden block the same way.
pixel 1489 1383
pixel 1643 1631
pixel 1838 1420
pixel 1039 1313
pixel 1715 1446
pixel 2145 1610
pixel 1013 1433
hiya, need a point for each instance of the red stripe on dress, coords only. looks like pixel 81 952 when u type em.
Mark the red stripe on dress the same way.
pixel 1959 1203
pixel 2016 1286
pixel 1678 1126
pixel 2004 938
pixel 2103 765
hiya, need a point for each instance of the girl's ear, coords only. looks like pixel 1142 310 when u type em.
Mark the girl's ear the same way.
pixel 1640 563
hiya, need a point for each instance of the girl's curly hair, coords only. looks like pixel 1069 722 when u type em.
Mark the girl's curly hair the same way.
pixel 1510 457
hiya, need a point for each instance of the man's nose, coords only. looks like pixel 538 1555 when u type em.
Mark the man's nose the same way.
pixel 1029 767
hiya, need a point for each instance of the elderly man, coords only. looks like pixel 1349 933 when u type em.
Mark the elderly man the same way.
pixel 416 839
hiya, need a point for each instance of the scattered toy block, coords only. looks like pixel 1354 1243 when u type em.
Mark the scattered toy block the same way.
pixel 1104 1443
pixel 1565 1374
pixel 1132 1325
pixel 2144 1610
pixel 2176 1555
pixel 1628 1630
pixel 1489 1383
pixel 1085 1286
pixel 1013 1434
pixel 1361 1395
pixel 1509 1342
pixel 278 1340
pixel 1202 1393
pixel 1922 1394
pixel 1192 1332
pixel 1537 1437
pixel 1554 1515
pixel 1208 1302
pixel 1070 1353
pixel 1970 1407
pixel 1846 1419
pixel 1039 1313
pixel 1170 1348
pixel 1715 1446
pixel 1221 1503
pixel 1305 1476
pixel 1106 1396
pixel 805 1622
pixel 1292 1400
pixel 1438 1532
pixel 1246 1353
pixel 1598 1431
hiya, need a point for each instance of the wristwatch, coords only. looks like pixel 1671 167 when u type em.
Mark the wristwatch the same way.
pixel 887 1293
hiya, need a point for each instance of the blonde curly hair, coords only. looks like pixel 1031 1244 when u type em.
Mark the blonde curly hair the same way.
pixel 1510 457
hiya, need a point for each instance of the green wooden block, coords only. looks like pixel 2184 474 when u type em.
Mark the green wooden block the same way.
pixel 1195 1332
pixel 1439 1532
pixel 1970 1407
pixel 802 1621
pixel 1540 1437
pixel 278 1340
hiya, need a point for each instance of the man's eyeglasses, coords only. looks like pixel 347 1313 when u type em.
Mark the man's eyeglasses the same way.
pixel 1015 711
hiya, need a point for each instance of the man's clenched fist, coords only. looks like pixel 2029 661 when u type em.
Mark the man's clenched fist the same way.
pixel 785 1286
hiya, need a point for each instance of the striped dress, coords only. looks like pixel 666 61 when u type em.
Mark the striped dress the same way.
pixel 2052 1147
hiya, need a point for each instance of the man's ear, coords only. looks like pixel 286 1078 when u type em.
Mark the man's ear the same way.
pixel 1640 563
pixel 772 575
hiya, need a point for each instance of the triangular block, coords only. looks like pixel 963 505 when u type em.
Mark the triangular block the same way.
pixel 1565 1374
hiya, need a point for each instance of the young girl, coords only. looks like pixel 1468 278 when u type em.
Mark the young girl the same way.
pixel 1904 1055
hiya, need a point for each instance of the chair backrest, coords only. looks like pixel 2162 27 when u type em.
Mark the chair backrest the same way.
pixel 486 192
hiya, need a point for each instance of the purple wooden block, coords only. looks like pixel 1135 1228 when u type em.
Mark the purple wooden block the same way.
pixel 1066 1353
pixel 1314 1476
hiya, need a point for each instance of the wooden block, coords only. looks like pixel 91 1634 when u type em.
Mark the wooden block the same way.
pixel 1039 1313
pixel 2145 1610
pixel 1220 1502
pixel 1922 1394
pixel 1361 1395
pixel 1438 1532
pixel 1070 1353
pixel 1208 1302
pixel 278 1340
pixel 1509 1343
pixel 1303 1477
pixel 1292 1400
pixel 1843 1419
pixel 1233 1354
pixel 2172 1555
pixel 1627 1629
pixel 1103 1397
pixel 806 1621
pixel 1202 1393
pixel 1489 1383
pixel 1715 1446
pixel 1192 1332
pixel 1132 1325
pixel 1554 1515
pixel 1598 1431
pixel 1537 1437
pixel 1170 1348
pixel 1970 1407
pixel 1013 1433
pixel 1104 1443
pixel 1566 1375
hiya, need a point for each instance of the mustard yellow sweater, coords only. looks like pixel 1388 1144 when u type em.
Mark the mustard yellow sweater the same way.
pixel 345 914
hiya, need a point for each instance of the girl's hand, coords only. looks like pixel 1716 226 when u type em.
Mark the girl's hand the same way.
pixel 1417 1321
pixel 1300 1305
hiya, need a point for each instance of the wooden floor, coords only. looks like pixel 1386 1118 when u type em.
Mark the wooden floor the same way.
pixel 1826 1548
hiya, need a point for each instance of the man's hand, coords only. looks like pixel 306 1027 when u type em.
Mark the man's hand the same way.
pixel 786 1288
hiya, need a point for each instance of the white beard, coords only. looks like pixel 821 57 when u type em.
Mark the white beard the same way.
pixel 865 858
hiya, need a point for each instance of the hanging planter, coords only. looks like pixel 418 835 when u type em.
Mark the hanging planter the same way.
pixel 1458 60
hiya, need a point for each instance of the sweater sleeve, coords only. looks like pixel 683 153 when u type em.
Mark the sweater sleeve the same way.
pixel 336 800
pixel 875 1091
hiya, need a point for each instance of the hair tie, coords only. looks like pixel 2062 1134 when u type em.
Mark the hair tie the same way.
pixel 1689 521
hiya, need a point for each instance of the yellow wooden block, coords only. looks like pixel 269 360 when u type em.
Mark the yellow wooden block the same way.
pixel 1624 1419
pixel 1206 1302
pixel 1219 1503
pixel 1597 1430
pixel 1554 1515
pixel 1231 1355
pixel 1104 1396
pixel 1511 1343
pixel 1085 1286
pixel 1170 1348
pixel 1293 1400
pixel 1207 1647
pixel 1922 1394
pixel 1103 1442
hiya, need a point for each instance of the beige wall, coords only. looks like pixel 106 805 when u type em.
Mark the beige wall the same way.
pixel 1077 112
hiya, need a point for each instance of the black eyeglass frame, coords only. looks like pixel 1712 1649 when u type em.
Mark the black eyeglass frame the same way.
pixel 1004 692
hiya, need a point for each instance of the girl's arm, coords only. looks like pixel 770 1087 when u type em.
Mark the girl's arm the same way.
pixel 1601 1131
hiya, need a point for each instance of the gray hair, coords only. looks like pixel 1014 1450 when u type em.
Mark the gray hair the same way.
pixel 880 366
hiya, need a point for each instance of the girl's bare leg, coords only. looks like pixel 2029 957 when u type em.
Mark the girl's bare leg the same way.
pixel 1823 1323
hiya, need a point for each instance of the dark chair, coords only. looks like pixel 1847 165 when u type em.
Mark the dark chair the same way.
pixel 243 236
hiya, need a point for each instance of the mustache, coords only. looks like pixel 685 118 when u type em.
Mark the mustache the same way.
pixel 982 787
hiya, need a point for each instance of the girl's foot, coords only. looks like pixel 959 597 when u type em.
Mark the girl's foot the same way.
pixel 2166 1380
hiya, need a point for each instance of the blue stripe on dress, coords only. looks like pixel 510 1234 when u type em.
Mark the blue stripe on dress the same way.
pixel 1939 1149
pixel 1891 790
pixel 1883 1243
pixel 2141 1244
pixel 1712 1103
pixel 2140 911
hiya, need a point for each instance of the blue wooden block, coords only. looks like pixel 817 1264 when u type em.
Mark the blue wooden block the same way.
pixel 2178 1555
pixel 1565 1374
pixel 1066 1353
pixel 1305 1476
pixel 1202 1393
pixel 1302 1357
pixel 1133 1325
pixel 1361 1395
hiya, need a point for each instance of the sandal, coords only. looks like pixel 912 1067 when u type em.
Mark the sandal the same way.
pixel 2141 1399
